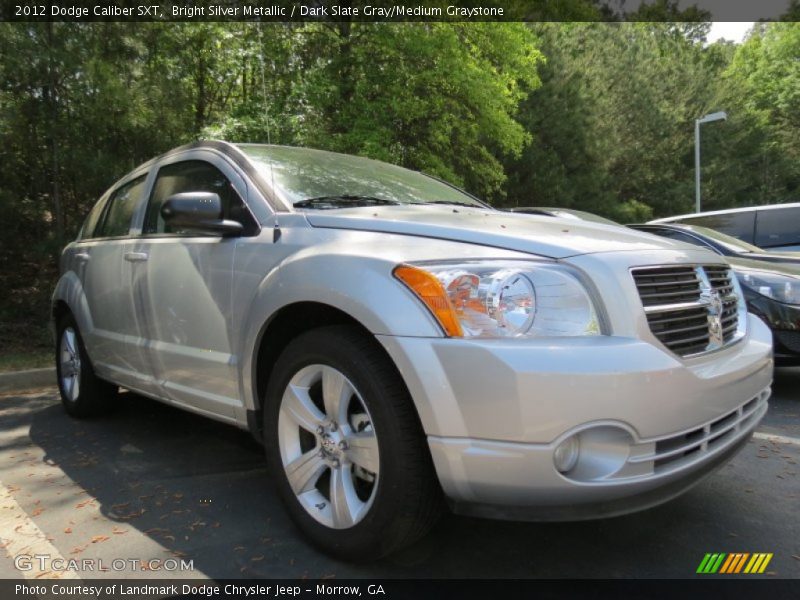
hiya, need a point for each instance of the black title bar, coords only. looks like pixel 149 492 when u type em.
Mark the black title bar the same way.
pixel 395 11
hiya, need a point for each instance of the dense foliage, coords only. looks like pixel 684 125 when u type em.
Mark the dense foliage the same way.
pixel 596 116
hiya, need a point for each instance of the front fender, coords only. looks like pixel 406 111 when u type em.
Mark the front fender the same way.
pixel 362 287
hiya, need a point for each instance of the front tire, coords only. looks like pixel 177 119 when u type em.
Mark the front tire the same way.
pixel 83 393
pixel 346 448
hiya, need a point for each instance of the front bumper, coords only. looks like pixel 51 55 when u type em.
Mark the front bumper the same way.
pixel 652 424
pixel 519 481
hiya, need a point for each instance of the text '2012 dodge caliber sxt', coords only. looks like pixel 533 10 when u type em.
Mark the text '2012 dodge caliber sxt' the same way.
pixel 396 343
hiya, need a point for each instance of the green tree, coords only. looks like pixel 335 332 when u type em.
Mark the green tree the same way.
pixel 439 97
pixel 756 158
pixel 613 120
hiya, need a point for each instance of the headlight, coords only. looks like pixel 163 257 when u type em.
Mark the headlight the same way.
pixel 783 288
pixel 503 299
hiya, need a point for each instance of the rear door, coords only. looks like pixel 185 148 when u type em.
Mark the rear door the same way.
pixel 183 285
pixel 112 330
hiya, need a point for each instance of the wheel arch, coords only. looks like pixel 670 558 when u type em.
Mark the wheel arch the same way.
pixel 284 325
pixel 314 289
pixel 69 298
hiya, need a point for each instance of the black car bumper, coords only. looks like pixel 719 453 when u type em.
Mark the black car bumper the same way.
pixel 784 321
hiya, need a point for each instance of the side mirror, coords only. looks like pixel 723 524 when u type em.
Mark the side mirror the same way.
pixel 198 211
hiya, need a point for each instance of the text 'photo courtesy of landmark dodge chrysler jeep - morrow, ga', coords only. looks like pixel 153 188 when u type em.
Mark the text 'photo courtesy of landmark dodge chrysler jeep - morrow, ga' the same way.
pixel 400 346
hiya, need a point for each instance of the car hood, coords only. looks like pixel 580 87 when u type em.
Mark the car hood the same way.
pixel 544 236
pixel 781 257
pixel 763 265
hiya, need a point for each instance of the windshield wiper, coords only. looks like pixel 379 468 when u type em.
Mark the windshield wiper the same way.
pixel 456 203
pixel 343 200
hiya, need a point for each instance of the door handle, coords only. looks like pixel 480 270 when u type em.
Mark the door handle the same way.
pixel 82 257
pixel 135 256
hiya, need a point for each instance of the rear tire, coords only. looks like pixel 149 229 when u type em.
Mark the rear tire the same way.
pixel 345 446
pixel 83 393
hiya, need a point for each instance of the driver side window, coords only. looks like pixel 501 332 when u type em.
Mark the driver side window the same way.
pixel 192 176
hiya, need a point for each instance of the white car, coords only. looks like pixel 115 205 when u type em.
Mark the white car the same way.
pixel 395 342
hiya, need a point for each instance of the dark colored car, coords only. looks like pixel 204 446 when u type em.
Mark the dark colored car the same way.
pixel 770 281
pixel 774 226
pixel 720 242
pixel 563 213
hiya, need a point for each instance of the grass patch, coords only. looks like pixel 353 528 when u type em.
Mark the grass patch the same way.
pixel 18 361
pixel 25 344
pixel 25 340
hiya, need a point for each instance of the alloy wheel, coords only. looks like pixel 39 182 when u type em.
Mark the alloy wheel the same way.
pixel 328 446
pixel 70 364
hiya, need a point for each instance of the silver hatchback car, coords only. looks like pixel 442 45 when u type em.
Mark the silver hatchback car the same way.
pixel 397 344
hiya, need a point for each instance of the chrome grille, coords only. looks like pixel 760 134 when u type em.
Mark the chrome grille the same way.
pixel 667 285
pixel 690 309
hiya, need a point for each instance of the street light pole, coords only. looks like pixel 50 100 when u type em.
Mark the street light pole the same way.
pixel 717 116
pixel 697 165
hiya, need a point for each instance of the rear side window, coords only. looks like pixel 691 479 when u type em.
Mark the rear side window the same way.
pixel 778 227
pixel 90 224
pixel 193 176
pixel 740 225
pixel 121 205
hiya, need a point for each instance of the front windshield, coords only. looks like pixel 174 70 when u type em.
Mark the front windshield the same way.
pixel 315 179
pixel 731 243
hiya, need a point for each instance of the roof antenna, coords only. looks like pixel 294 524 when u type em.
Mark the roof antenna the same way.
pixel 276 231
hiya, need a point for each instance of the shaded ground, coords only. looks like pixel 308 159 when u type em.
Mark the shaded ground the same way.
pixel 152 482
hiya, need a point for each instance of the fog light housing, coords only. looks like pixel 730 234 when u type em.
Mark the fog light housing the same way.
pixel 566 454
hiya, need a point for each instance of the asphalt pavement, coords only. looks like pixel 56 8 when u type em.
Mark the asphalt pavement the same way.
pixel 150 488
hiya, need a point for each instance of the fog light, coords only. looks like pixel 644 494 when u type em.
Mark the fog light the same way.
pixel 566 455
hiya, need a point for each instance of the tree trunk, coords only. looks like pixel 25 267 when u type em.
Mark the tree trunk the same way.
pixel 200 105
pixel 344 73
pixel 52 105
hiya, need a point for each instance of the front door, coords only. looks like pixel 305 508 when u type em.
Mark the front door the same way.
pixel 183 288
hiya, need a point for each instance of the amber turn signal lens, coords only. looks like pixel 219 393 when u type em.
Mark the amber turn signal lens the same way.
pixel 428 288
